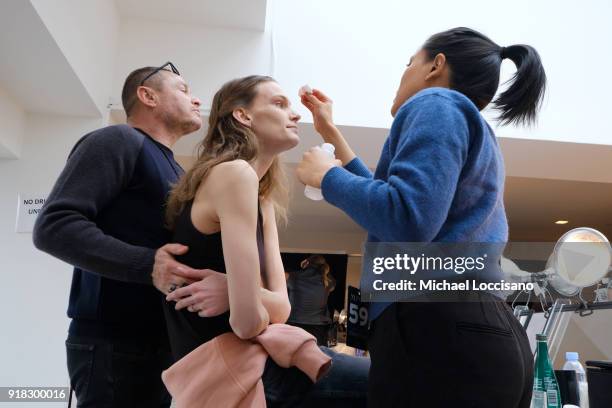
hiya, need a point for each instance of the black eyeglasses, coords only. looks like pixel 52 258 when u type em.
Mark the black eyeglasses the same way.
pixel 167 64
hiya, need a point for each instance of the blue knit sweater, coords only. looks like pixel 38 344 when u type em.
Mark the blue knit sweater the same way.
pixel 440 178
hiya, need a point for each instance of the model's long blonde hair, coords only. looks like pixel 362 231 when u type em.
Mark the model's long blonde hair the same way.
pixel 227 139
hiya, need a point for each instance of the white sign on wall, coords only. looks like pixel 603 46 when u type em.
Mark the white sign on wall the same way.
pixel 28 207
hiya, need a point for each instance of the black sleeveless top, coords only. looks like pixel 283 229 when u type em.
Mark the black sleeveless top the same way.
pixel 187 330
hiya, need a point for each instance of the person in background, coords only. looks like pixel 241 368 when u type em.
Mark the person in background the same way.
pixel 105 217
pixel 440 178
pixel 309 290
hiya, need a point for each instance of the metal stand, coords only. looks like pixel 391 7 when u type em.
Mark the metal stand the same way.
pixel 557 319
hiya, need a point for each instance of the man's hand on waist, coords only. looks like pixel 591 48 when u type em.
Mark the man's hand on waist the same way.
pixel 168 274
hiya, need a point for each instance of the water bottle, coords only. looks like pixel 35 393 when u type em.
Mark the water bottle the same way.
pixel 315 193
pixel 546 392
pixel 572 363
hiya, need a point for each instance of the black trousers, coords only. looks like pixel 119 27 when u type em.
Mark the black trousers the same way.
pixel 469 354
pixel 112 374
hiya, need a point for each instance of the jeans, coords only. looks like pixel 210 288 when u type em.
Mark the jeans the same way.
pixel 344 385
pixel 113 374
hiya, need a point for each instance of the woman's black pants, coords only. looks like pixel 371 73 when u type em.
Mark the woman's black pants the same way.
pixel 436 354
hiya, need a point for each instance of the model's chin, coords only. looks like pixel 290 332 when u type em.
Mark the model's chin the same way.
pixel 293 139
pixel 293 133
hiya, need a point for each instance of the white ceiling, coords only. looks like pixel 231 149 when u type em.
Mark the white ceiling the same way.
pixel 34 70
pixel 235 14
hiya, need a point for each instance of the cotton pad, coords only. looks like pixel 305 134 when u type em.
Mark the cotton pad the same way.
pixel 304 90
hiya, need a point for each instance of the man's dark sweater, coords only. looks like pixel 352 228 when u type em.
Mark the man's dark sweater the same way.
pixel 105 216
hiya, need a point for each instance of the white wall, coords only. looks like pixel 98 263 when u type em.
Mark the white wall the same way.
pixel 356 51
pixel 206 57
pixel 12 119
pixel 86 32
pixel 35 285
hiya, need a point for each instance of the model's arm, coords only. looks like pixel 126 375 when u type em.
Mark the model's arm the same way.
pixel 209 297
pixel 234 193
pixel 274 293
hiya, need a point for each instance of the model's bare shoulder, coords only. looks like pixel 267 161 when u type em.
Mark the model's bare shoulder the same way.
pixel 232 173
pixel 233 180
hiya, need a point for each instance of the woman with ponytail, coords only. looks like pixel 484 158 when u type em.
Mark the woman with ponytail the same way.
pixel 440 178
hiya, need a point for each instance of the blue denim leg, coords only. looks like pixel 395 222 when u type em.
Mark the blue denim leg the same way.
pixel 344 385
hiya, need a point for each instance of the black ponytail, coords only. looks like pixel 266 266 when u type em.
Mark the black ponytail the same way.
pixel 520 102
pixel 475 63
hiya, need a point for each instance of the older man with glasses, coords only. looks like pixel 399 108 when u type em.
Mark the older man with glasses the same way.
pixel 104 216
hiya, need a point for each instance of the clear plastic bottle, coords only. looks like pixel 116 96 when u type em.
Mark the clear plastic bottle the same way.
pixel 315 193
pixel 572 362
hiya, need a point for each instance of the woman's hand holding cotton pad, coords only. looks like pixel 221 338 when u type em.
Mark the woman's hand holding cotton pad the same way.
pixel 305 89
pixel 320 105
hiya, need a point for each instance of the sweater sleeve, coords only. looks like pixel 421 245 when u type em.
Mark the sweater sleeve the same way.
pixel 428 147
pixel 98 169
pixel 358 167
